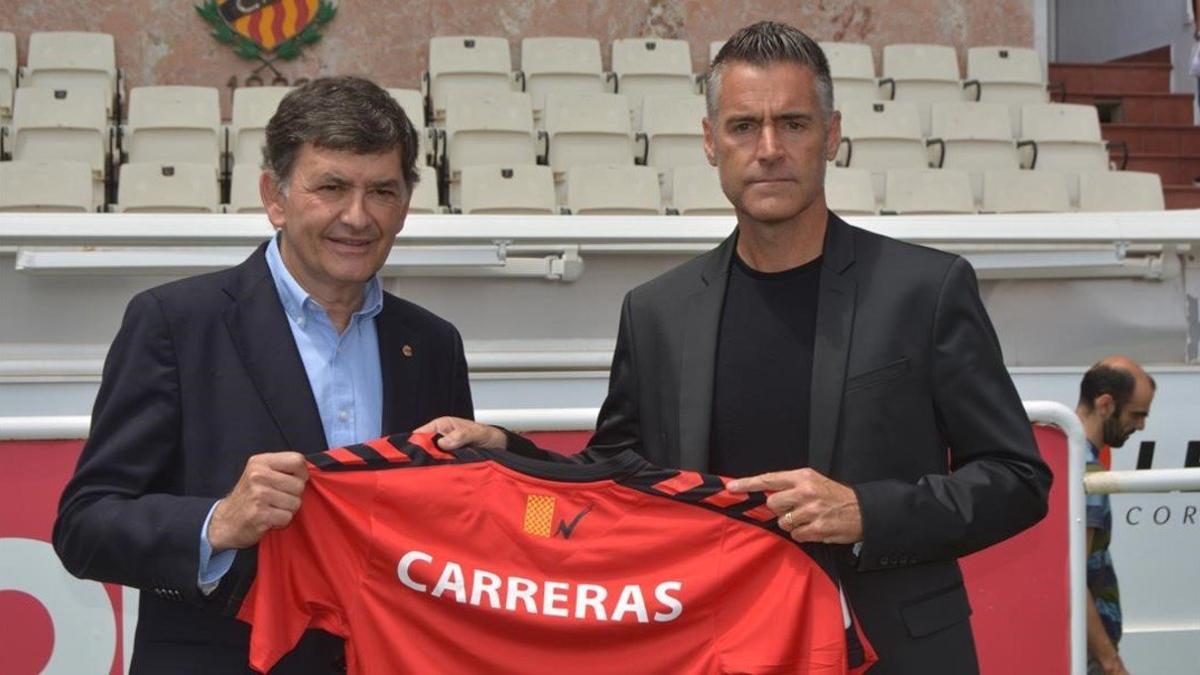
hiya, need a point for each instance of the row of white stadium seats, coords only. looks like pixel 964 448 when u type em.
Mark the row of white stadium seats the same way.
pixel 638 66
pixel 602 189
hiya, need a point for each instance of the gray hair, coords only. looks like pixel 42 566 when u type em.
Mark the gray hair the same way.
pixel 766 43
pixel 339 113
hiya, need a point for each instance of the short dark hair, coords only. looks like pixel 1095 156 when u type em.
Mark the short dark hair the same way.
pixel 1103 379
pixel 763 44
pixel 339 113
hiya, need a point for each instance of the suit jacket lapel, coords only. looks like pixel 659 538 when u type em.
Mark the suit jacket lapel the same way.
pixel 831 348
pixel 268 351
pixel 401 372
pixel 698 366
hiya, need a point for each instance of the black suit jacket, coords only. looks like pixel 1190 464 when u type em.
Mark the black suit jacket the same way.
pixel 911 406
pixel 203 373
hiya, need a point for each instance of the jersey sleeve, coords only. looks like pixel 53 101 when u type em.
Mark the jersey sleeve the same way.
pixel 309 572
pixel 782 613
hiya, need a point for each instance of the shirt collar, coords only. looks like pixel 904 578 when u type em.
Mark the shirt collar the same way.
pixel 296 300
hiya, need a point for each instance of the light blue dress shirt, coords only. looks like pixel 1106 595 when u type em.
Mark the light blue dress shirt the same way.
pixel 343 372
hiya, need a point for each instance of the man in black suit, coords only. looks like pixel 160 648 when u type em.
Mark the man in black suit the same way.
pixel 857 377
pixel 216 385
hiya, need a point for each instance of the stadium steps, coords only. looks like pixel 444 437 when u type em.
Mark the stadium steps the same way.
pixel 1134 99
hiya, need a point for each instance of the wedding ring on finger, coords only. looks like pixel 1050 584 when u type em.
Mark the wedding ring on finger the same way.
pixel 787 520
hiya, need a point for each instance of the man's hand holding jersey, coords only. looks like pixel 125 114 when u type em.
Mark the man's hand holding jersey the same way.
pixel 266 497
pixel 457 433
pixel 812 507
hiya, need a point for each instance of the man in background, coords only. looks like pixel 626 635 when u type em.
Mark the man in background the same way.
pixel 296 348
pixel 1114 401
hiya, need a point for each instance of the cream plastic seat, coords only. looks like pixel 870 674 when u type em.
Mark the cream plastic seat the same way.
pixel 559 65
pixel 613 190
pixel 253 107
pixel 499 189
pixel 850 192
pixel 881 135
pixel 696 191
pixel 413 104
pixel 584 129
pixel 466 64
pixel 58 186
pixel 852 68
pixel 173 124
pixel 672 134
pixel 651 66
pixel 714 48
pixel 69 59
pixel 484 129
pixel 63 124
pixel 168 188
pixel 8 73
pixel 1063 137
pixel 1025 192
pixel 1120 191
pixel 922 74
pixel 425 193
pixel 1012 76
pixel 928 191
pixel 973 137
pixel 243 190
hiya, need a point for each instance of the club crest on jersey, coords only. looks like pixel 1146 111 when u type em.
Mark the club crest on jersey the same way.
pixel 539 518
pixel 279 27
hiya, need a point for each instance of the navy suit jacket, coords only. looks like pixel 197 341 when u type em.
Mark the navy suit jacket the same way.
pixel 204 373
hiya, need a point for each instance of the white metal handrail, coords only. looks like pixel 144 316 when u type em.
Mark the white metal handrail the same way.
pixel 1142 481
pixel 1059 415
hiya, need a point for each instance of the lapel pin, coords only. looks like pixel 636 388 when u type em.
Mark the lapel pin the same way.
pixel 406 350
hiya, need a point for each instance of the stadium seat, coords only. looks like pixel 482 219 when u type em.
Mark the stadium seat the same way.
pixel 252 109
pixel 1012 76
pixel 51 185
pixel 497 189
pixel 560 65
pixel 850 192
pixel 881 135
pixel 466 64
pixel 167 188
pixel 584 129
pixel 61 124
pixel 928 191
pixel 1120 191
pixel 696 191
pixel 613 190
pixel 413 104
pixel 714 48
pixel 852 67
pixel 67 60
pixel 973 137
pixel 425 193
pixel 243 190
pixel 173 124
pixel 484 129
pixel 651 66
pixel 1024 192
pixel 1063 137
pixel 672 134
pixel 921 74
pixel 8 73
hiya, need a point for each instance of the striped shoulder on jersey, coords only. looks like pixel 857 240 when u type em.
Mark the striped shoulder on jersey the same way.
pixel 707 491
pixel 391 452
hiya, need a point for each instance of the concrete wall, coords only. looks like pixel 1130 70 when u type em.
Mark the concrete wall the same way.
pixel 166 42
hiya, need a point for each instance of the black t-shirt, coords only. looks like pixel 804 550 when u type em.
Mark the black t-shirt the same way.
pixel 764 370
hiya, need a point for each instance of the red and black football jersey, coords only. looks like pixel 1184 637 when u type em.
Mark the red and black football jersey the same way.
pixel 474 561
